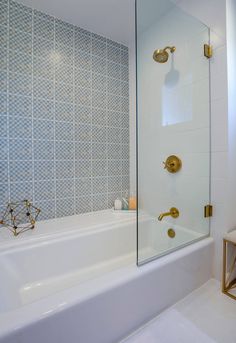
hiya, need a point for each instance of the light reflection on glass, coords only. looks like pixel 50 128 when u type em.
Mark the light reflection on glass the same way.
pixel 177 98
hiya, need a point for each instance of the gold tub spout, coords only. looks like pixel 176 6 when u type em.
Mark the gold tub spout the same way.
pixel 174 213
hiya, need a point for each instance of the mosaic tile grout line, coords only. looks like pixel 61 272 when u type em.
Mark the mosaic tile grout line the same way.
pixel 106 129
pixel 32 99
pixel 74 113
pixel 8 124
pixel 91 205
pixel 54 123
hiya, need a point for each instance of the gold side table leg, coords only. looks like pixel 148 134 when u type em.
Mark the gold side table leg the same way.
pixel 224 267
pixel 226 284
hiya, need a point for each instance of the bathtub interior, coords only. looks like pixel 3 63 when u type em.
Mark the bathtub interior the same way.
pixel 33 270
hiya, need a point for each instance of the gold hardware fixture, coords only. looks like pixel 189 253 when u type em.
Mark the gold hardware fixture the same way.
pixel 208 211
pixel 174 213
pixel 208 52
pixel 173 164
pixel 171 233
pixel 161 55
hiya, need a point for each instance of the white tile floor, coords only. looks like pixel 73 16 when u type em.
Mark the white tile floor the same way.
pixel 204 316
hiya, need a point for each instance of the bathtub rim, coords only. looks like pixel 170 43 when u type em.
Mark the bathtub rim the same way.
pixel 69 230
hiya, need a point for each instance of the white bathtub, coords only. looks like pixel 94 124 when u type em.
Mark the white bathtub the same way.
pixel 75 280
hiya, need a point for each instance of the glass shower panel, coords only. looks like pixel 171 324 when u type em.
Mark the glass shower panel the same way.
pixel 173 128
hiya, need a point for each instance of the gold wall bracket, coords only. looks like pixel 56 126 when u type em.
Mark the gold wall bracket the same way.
pixel 208 211
pixel 173 164
pixel 208 52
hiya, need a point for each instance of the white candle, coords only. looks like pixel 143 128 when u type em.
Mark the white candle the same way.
pixel 118 204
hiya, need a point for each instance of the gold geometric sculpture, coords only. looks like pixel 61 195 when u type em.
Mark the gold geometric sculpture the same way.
pixel 20 216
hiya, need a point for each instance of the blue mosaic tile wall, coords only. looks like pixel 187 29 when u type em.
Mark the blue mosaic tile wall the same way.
pixel 64 114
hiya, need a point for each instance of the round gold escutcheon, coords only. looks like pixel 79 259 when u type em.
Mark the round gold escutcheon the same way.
pixel 171 233
pixel 173 164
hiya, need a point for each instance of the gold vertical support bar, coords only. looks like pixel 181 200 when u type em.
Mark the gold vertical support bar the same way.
pixel 224 267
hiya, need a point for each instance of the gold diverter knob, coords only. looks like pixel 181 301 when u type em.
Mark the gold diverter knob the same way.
pixel 173 212
pixel 173 164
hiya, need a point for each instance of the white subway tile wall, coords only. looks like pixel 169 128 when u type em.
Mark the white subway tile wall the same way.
pixel 64 114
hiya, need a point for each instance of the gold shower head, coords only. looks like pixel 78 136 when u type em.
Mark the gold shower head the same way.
pixel 161 55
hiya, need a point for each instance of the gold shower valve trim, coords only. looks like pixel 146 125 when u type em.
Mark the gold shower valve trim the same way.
pixel 173 164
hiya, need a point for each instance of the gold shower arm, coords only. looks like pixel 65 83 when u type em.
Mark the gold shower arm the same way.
pixel 171 48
